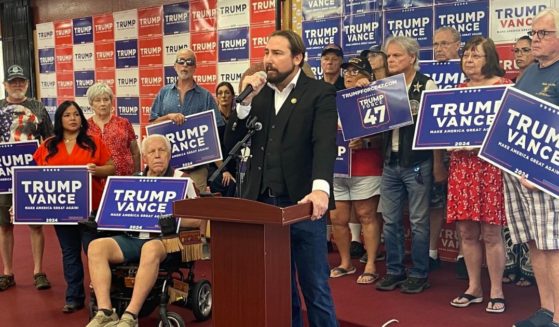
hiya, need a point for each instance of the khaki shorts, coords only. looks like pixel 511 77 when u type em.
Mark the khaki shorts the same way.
pixel 356 188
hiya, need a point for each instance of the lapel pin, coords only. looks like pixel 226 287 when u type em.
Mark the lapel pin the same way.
pixel 293 100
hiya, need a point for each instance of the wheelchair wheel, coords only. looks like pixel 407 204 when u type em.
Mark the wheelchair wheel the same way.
pixel 175 320
pixel 200 300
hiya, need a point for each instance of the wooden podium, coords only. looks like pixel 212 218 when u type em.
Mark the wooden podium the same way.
pixel 251 258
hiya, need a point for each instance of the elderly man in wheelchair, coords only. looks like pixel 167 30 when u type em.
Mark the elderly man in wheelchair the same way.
pixel 150 252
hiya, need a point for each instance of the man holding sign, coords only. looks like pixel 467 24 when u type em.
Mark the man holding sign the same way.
pixel 21 118
pixel 131 247
pixel 183 98
pixel 533 215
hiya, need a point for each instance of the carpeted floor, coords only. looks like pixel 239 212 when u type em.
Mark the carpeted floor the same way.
pixel 356 305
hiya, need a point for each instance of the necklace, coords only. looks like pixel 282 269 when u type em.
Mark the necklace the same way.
pixel 69 140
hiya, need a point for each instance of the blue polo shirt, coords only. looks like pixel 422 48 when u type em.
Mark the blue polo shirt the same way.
pixel 195 100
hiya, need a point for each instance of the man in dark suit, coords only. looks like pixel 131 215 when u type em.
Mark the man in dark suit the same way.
pixel 293 161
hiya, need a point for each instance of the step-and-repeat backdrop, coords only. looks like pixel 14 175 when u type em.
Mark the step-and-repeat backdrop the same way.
pixel 134 51
pixel 358 24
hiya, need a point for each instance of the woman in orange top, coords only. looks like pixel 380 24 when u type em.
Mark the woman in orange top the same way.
pixel 71 145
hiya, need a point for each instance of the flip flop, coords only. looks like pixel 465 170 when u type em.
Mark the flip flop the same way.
pixel 471 300
pixel 491 305
pixel 339 272
pixel 367 278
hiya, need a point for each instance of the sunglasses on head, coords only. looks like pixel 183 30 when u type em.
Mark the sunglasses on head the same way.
pixel 186 62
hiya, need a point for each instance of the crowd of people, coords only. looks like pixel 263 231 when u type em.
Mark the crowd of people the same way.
pixel 490 208
pixel 292 161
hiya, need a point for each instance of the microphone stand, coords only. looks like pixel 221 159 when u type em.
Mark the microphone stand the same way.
pixel 233 153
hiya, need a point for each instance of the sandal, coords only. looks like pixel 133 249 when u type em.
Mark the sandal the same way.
pixel 367 278
pixel 339 272
pixel 491 305
pixel 471 299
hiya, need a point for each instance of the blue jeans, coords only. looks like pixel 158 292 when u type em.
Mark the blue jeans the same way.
pixel 415 183
pixel 72 239
pixel 309 262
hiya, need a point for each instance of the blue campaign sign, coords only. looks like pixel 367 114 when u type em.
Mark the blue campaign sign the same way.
pixel 425 54
pixel 319 33
pixel 405 4
pixel 342 167
pixel 447 74
pixel 361 31
pixel 314 9
pixel 129 108
pixel 175 18
pixel 14 154
pixel 524 140
pixel 59 195
pixel 83 80
pixel 126 53
pixel 83 30
pixel 416 23
pixel 379 107
pixel 194 143
pixel 468 18
pixel 135 203
pixel 456 118
pixel 46 60
pixel 233 44
pixel 361 6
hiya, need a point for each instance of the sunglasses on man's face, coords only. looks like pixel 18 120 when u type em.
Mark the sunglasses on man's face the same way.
pixel 186 62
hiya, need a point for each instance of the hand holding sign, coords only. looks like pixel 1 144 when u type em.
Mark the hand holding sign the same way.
pixel 177 118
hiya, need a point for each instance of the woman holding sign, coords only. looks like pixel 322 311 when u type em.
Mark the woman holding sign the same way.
pixel 475 191
pixel 360 192
pixel 116 132
pixel 70 146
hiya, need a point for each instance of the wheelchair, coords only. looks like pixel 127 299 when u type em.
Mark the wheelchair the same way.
pixel 175 284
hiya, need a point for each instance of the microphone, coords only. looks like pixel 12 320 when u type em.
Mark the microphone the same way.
pixel 248 90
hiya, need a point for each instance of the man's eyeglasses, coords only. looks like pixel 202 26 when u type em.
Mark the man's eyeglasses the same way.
pixel 351 72
pixel 443 44
pixel 187 62
pixel 541 33
pixel 518 51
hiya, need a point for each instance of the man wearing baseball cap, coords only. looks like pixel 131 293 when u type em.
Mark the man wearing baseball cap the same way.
pixel 331 64
pixel 24 119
